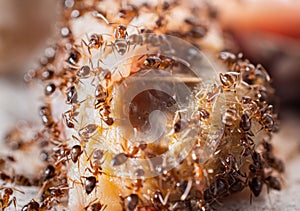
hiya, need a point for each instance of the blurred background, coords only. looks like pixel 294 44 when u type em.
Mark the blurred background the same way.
pixel 266 31
pixel 24 26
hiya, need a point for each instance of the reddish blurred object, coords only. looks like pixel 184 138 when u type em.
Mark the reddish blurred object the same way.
pixel 24 25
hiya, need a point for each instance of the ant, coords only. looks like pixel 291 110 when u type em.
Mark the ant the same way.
pixel 119 159
pixel 96 41
pixel 218 189
pixel 122 157
pixel 48 121
pixel 104 112
pixel 71 154
pixel 72 99
pixel 87 131
pixel 121 45
pixel 97 154
pixel 203 114
pixel 256 175
pixel 46 74
pixel 255 75
pixel 32 206
pixel 95 205
pixel 228 57
pixel 159 62
pixel 179 126
pixel 5 177
pixel 196 31
pixel 245 123
pixel 130 202
pixel 273 183
pixel 84 72
pixel 6 200
pixel 267 122
pixel 75 152
pixel 96 167
pixel 100 96
pixel 60 153
pixel 68 118
pixel 137 184
pixel 101 101
pixel 255 185
pixel 50 89
pixel 236 184
pixel 46 116
pixel 96 164
pixel 89 183
pixel 122 39
pixel 158 200
pixel 270 159
pixel 262 74
pixel 74 57
pixel 228 79
pixel 251 106
pixel 25 181
pixel 72 96
pixel 212 95
pixel 105 74
pixel 247 143
pixel 56 193
pixel 49 172
pixel 229 117
pixel 162 12
pixel 229 163
pixel 128 12
pixel 120 32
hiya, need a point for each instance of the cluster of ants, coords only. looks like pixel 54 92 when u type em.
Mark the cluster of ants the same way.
pixel 260 163
pixel 244 158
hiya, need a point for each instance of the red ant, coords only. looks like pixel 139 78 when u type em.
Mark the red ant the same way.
pixel 5 198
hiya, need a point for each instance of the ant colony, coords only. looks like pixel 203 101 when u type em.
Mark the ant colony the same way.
pixel 135 117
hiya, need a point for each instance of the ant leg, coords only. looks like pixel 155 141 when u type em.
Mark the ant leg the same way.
pixel 89 157
pixel 99 15
pixel 251 201
pixel 15 202
pixel 60 160
pixel 88 48
pixel 104 207
pixel 113 47
pixel 39 194
pixel 88 169
pixel 75 182
pixel 78 164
